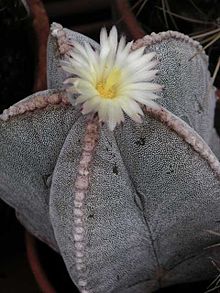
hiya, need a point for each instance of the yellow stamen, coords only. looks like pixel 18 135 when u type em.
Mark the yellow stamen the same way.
pixel 108 94
pixel 108 88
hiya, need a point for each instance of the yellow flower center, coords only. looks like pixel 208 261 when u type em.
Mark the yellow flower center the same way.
pixel 105 93
pixel 108 88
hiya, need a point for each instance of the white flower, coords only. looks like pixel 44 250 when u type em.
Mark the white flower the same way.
pixel 112 80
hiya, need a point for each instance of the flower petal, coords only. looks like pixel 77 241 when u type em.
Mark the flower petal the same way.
pixel 81 99
pixel 147 86
pixel 113 38
pixel 91 105
pixel 131 108
pixel 146 102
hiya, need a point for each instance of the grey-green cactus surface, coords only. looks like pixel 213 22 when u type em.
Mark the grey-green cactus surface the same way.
pixel 154 188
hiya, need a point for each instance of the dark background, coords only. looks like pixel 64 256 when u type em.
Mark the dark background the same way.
pixel 17 66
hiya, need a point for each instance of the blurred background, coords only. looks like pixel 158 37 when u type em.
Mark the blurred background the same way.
pixel 26 265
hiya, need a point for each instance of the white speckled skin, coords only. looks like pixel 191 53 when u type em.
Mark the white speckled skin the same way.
pixel 153 189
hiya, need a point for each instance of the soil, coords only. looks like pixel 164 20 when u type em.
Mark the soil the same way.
pixel 55 269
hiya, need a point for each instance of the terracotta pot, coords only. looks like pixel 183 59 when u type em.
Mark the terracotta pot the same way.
pixel 127 20
pixel 37 37
pixel 41 29
pixel 48 267
pixel 36 267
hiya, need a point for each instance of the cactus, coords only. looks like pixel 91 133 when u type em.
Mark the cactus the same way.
pixel 129 210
